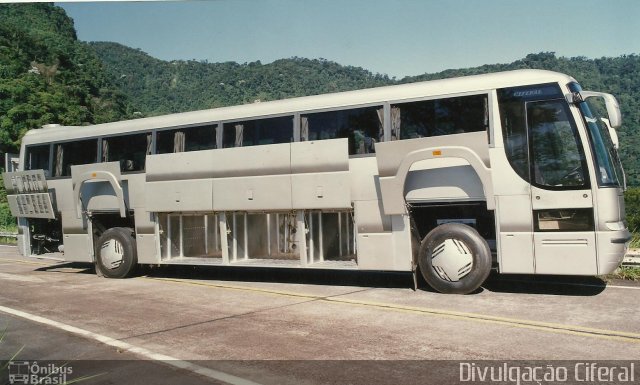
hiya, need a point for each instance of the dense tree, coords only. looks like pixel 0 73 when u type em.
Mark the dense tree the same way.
pixel 159 87
pixel 48 76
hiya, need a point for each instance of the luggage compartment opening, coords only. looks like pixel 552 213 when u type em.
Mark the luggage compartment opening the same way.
pixel 262 236
pixel 189 236
pixel 330 236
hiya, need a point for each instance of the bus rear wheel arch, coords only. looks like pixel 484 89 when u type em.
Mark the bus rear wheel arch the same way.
pixel 116 255
pixel 454 259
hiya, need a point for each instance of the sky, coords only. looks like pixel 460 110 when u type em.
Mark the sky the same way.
pixel 394 37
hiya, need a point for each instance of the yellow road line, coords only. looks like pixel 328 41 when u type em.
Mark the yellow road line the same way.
pixel 27 262
pixel 474 317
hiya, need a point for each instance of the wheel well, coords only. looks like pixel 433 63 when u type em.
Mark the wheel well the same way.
pixel 427 216
pixel 103 222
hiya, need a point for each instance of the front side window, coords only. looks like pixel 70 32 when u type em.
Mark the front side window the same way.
pixel 557 157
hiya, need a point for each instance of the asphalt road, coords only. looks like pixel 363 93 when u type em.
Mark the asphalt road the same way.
pixel 301 327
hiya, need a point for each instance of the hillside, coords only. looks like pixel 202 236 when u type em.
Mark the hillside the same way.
pixel 48 76
pixel 157 87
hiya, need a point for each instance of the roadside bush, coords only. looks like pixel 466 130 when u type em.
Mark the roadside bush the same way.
pixel 7 222
pixel 632 206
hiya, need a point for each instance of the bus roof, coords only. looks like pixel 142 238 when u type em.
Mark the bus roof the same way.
pixel 339 100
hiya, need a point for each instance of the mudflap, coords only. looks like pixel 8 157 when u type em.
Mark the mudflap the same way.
pixel 414 273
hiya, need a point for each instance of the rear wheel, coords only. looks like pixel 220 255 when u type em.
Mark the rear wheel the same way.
pixel 454 259
pixel 116 255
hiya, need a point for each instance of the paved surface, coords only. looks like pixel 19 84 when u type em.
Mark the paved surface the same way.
pixel 231 320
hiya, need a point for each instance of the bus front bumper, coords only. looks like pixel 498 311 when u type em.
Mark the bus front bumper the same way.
pixel 612 247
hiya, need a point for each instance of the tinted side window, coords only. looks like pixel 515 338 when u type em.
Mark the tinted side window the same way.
pixel 186 139
pixel 513 116
pixel 129 150
pixel 362 126
pixel 72 154
pixel 258 132
pixel 439 117
pixel 37 158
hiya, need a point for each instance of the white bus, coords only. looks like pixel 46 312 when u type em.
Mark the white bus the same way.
pixel 515 171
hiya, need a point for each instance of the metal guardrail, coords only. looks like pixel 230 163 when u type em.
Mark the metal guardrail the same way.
pixel 8 235
pixel 632 259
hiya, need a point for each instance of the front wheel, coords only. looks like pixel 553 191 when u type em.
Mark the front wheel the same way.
pixel 116 255
pixel 454 259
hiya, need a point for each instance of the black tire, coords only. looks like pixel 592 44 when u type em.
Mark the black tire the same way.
pixel 127 248
pixel 474 247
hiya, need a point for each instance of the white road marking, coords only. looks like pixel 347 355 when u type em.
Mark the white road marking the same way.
pixel 168 360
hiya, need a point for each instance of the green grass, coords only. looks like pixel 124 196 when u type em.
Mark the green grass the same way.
pixel 627 273
pixel 635 241
pixel 8 240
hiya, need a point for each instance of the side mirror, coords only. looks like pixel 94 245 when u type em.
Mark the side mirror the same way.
pixel 613 108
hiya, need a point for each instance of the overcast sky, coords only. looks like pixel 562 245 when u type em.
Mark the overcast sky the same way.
pixel 397 38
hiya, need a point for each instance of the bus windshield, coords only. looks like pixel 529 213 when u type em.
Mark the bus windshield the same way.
pixel 609 170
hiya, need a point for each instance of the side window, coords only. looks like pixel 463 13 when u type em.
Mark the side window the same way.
pixel 557 157
pixel 186 139
pixel 514 132
pixel 362 126
pixel 129 150
pixel 439 117
pixel 258 132
pixel 540 139
pixel 37 158
pixel 72 154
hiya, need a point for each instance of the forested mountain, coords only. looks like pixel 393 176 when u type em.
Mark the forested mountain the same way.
pixel 48 76
pixel 157 87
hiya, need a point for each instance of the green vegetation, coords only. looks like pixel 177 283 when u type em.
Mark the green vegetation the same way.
pixel 7 222
pixel 159 87
pixel 48 76
pixel 630 273
pixel 632 208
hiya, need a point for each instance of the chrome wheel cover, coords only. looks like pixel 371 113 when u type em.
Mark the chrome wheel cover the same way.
pixel 452 260
pixel 112 254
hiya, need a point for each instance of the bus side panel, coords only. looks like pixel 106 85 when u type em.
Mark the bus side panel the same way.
pixel 146 240
pixel 514 221
pixel 78 245
pixel 383 241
